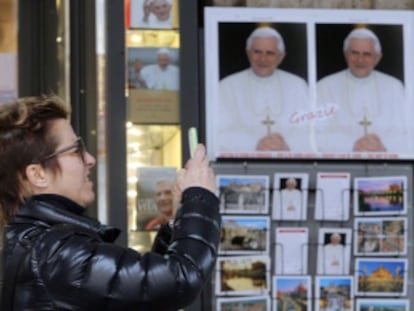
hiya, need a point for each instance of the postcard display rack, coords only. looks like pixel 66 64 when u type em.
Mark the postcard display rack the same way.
pixel 314 237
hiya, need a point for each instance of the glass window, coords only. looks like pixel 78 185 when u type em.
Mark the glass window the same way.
pixel 153 120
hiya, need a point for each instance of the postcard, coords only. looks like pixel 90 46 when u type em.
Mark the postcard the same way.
pixel 292 293
pixel 380 236
pixel 333 196
pixel 244 194
pixel 291 250
pixel 334 251
pixel 243 303
pixel 244 235
pixel 242 275
pixel 290 196
pixel 334 293
pixel 365 304
pixel 380 196
pixel 381 277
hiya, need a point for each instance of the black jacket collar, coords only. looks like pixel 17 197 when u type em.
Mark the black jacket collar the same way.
pixel 52 209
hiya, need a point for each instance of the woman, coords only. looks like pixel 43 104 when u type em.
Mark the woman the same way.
pixel 55 258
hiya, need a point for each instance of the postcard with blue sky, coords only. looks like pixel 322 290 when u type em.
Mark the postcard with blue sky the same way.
pixel 365 304
pixel 380 196
pixel 292 293
pixel 244 235
pixel 243 194
pixel 381 277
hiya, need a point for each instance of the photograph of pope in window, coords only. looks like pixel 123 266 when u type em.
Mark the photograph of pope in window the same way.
pixel 361 77
pixel 263 77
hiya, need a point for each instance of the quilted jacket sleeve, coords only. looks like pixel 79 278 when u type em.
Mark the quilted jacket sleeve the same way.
pixel 103 276
pixel 162 239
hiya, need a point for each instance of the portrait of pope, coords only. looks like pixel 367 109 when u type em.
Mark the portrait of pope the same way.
pixel 362 73
pixel 263 83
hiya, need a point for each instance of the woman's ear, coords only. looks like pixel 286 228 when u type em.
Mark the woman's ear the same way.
pixel 37 176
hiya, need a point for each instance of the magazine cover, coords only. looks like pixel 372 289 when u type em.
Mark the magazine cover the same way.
pixel 154 200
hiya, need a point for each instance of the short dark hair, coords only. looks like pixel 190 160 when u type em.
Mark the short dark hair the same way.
pixel 25 138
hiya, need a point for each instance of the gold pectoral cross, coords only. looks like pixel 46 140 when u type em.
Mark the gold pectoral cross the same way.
pixel 365 123
pixel 268 122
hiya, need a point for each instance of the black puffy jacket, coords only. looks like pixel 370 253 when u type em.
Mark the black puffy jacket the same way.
pixel 66 261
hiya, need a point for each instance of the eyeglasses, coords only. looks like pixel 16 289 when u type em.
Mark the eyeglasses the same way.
pixel 78 147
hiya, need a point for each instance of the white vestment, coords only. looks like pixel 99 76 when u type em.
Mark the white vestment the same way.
pixel 334 260
pixel 380 98
pixel 246 100
pixel 158 79
pixel 290 205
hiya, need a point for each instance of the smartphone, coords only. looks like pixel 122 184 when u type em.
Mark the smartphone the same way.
pixel 192 140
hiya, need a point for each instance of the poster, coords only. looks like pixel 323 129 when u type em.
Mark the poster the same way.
pixel 152 14
pixel 153 85
pixel 322 101
pixel 147 207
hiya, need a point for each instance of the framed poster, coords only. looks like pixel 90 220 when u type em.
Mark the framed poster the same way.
pixel 244 235
pixel 243 194
pixel 303 96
